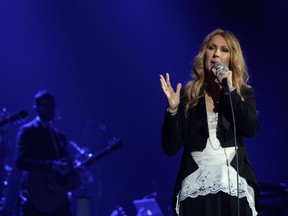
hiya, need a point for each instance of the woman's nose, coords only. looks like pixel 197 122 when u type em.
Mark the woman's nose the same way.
pixel 216 53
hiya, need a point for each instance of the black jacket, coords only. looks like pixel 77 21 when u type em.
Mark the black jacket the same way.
pixel 35 146
pixel 192 132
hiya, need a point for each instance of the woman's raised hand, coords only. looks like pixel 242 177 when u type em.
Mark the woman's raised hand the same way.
pixel 172 96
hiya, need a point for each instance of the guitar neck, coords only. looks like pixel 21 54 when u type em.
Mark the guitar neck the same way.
pixel 95 157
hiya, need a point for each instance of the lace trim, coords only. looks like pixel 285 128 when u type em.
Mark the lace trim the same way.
pixel 199 184
pixel 212 117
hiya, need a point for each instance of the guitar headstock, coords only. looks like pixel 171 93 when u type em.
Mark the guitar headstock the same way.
pixel 114 144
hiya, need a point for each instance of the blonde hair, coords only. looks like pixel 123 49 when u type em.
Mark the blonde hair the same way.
pixel 195 88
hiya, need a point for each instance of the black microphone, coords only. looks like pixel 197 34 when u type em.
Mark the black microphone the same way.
pixel 16 117
pixel 217 65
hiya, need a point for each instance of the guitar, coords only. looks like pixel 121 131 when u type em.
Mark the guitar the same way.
pixel 47 190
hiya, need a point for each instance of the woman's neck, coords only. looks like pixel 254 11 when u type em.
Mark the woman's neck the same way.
pixel 213 90
pixel 212 97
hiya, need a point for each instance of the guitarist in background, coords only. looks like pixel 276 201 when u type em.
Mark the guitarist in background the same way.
pixel 42 147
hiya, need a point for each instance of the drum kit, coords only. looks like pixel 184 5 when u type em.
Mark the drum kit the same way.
pixel 6 161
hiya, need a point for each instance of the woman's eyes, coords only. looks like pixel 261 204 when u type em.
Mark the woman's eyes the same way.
pixel 213 47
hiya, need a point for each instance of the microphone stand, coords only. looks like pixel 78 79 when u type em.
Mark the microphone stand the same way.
pixel 236 145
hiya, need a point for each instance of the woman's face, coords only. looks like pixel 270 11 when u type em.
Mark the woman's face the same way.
pixel 217 51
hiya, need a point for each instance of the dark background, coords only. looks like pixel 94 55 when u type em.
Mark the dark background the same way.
pixel 102 60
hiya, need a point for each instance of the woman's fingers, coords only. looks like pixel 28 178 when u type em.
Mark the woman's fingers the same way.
pixel 168 80
pixel 179 85
pixel 172 96
pixel 163 83
pixel 166 85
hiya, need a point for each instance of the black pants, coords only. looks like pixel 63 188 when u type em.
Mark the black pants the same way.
pixel 220 204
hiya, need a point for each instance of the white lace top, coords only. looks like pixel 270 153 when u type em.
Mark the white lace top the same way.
pixel 215 172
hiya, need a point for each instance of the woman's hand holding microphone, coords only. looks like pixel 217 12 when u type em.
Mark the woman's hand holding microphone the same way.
pixel 223 75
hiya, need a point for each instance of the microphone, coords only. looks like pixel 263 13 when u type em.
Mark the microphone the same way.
pixel 217 65
pixel 15 117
